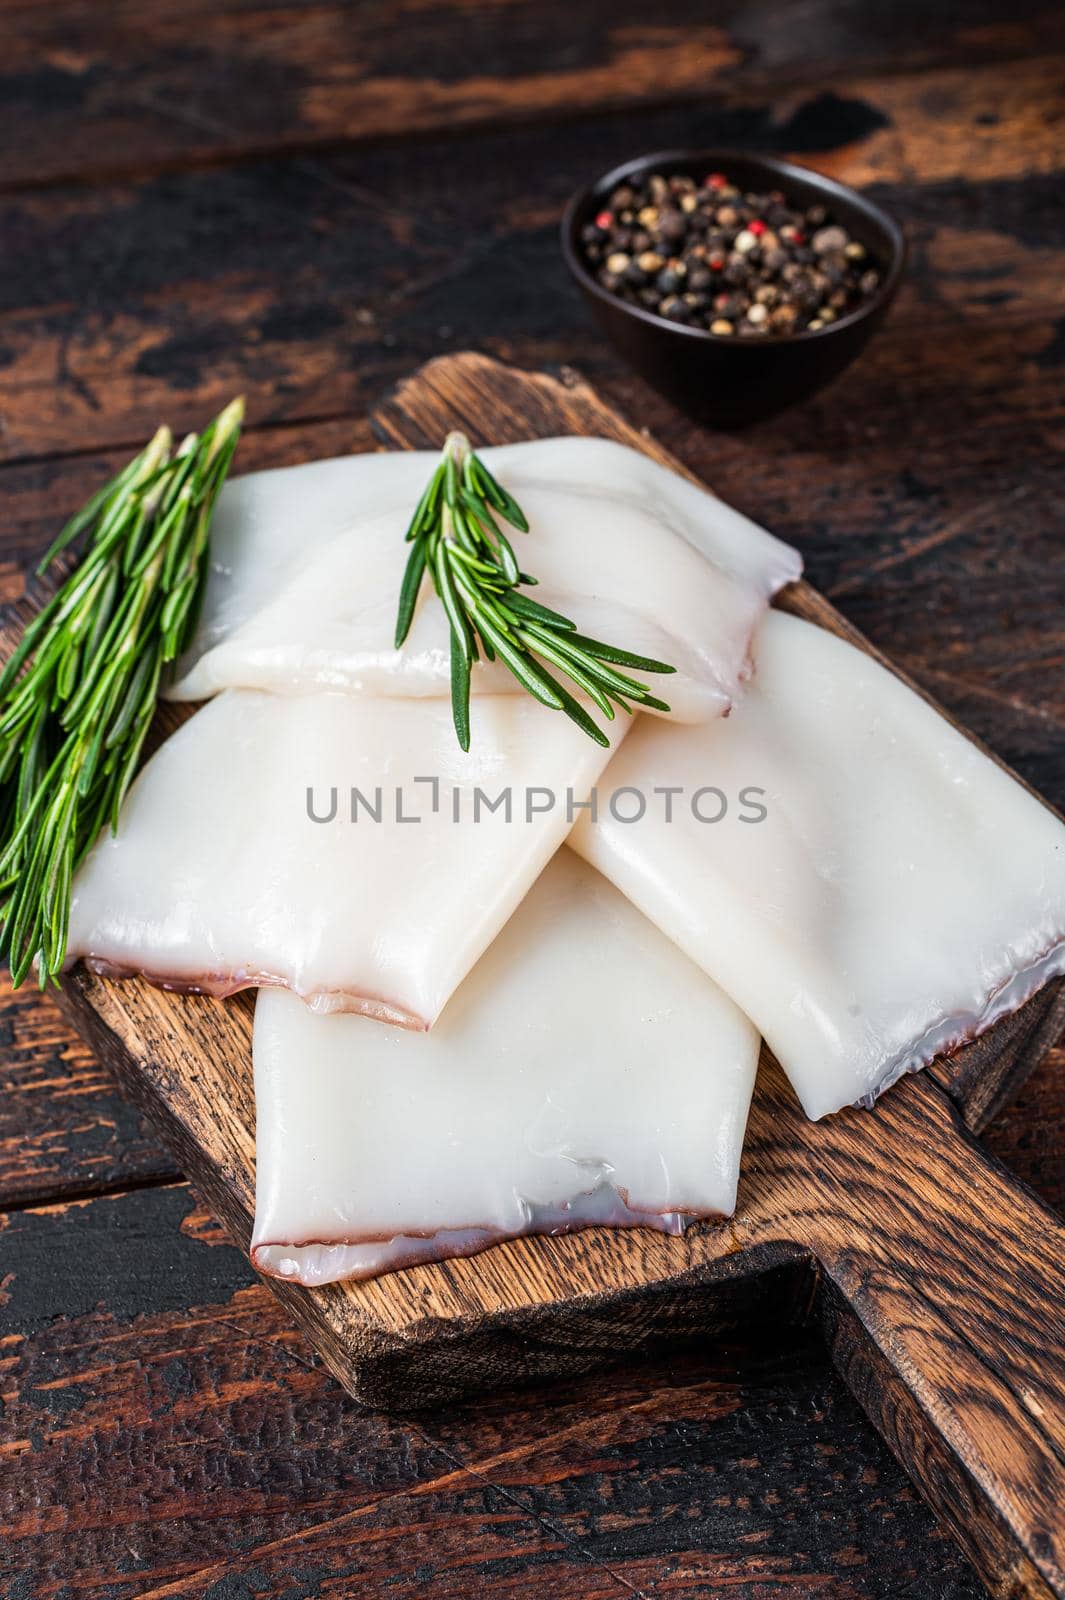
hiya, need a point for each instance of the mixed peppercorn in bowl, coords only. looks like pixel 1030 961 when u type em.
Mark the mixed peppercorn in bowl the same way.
pixel 736 284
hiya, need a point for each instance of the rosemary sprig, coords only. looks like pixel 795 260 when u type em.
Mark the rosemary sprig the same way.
pixel 78 694
pixel 457 538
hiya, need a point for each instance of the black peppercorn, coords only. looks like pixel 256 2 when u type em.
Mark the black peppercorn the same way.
pixel 672 227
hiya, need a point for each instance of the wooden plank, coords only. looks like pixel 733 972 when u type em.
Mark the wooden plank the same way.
pixel 312 286
pixel 1028 1138
pixel 178 1437
pixel 64 1128
pixel 169 82
pixel 942 1313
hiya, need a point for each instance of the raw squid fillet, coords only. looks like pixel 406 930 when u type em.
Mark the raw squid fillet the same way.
pixel 585 1072
pixel 308 562
pixel 219 878
pixel 902 894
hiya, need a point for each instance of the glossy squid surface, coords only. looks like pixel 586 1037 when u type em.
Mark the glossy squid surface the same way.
pixel 899 895
pixel 585 1072
pixel 338 845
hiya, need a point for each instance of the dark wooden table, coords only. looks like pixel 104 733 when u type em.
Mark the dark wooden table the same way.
pixel 304 201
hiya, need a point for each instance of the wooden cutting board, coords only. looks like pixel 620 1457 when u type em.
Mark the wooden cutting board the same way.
pixel 939 1281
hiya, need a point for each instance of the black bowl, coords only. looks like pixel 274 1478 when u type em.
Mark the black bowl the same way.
pixel 724 380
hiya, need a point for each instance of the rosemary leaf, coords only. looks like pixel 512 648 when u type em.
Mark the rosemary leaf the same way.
pixel 408 594
pixel 536 612
pixel 460 692
pixel 621 658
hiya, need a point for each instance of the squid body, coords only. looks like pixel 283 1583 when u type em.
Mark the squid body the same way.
pixel 336 844
pixel 898 895
pixel 585 1072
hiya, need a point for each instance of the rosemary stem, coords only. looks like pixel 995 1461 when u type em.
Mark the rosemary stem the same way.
pixel 457 539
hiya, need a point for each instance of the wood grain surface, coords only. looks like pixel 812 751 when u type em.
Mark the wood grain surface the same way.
pixel 168 263
pixel 172 82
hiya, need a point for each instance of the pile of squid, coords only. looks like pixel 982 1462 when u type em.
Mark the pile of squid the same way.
pixel 525 989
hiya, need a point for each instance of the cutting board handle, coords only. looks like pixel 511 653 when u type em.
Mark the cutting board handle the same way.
pixel 945 1312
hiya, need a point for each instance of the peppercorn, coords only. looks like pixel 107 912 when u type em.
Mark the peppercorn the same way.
pixel 672 227
pixel 720 326
pixel 826 240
